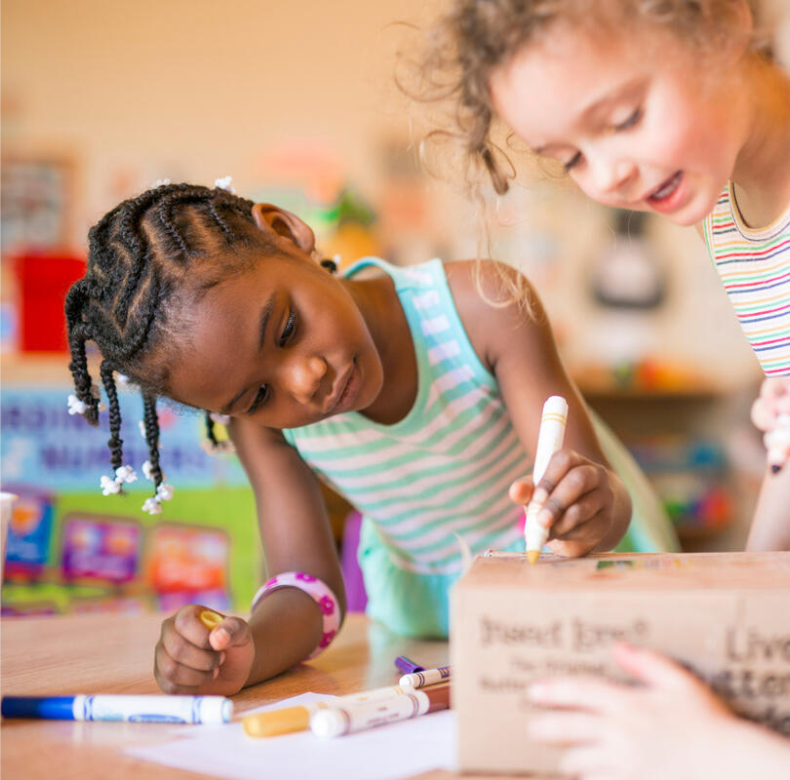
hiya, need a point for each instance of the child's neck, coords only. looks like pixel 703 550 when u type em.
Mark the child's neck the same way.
pixel 380 305
pixel 762 170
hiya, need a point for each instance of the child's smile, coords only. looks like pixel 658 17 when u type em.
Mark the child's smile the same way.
pixel 625 117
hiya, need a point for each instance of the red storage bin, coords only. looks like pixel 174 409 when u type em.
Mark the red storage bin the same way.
pixel 43 280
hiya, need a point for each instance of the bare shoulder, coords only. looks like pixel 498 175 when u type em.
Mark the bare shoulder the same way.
pixel 498 307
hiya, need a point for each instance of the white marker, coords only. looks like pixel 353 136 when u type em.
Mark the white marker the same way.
pixel 211 710
pixel 550 438
pixel 286 720
pixel 425 678
pixel 337 721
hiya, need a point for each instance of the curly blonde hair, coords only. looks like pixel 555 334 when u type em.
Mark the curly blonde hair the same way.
pixel 475 37
pixel 452 67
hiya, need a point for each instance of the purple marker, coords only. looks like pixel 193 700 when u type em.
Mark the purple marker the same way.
pixel 407 666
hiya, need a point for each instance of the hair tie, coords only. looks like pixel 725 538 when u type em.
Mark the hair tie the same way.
pixel 224 447
pixel 80 407
pixel 153 504
pixel 225 183
pixel 112 485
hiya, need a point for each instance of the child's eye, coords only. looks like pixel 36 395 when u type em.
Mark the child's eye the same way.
pixel 630 122
pixel 288 330
pixel 572 162
pixel 260 399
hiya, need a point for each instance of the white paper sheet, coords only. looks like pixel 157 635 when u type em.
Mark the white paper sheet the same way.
pixel 391 752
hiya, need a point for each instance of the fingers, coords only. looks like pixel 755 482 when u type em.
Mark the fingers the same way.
pixel 231 632
pixel 184 659
pixel 187 623
pixel 187 654
pixel 578 693
pixel 762 415
pixel 521 490
pixel 585 762
pixel 568 478
pixel 573 523
pixel 652 668
pixel 774 400
pixel 565 728
pixel 774 387
pixel 174 677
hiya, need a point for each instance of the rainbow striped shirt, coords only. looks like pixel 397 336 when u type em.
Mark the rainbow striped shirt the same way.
pixel 754 266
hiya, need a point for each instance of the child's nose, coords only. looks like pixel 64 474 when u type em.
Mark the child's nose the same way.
pixel 304 375
pixel 612 176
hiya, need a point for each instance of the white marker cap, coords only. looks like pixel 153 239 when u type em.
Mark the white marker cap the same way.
pixel 328 723
pixel 214 710
pixel 556 404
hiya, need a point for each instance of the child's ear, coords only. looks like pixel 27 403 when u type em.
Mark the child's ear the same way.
pixel 276 220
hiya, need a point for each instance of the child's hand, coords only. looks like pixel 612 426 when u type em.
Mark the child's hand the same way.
pixel 773 401
pixel 673 727
pixel 191 659
pixel 771 414
pixel 577 500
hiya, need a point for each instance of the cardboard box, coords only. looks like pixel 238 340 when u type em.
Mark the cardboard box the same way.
pixel 725 615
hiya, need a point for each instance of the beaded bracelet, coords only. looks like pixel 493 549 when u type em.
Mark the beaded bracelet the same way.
pixel 319 591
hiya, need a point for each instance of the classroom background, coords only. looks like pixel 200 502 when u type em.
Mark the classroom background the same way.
pixel 297 102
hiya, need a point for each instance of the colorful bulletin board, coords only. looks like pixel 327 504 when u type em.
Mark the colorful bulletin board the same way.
pixel 71 549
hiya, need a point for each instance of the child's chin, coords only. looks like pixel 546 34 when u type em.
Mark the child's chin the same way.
pixel 685 220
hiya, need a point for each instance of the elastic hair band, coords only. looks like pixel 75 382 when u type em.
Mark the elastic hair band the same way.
pixel 319 591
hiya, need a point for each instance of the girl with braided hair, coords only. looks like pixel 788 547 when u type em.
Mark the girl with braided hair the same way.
pixel 678 108
pixel 402 388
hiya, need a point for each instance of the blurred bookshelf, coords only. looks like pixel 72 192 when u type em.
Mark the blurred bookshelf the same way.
pixel 685 431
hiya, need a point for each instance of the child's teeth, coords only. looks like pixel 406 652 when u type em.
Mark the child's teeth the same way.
pixel 666 189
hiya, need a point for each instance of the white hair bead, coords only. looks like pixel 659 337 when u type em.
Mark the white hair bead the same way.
pixel 225 183
pixel 109 486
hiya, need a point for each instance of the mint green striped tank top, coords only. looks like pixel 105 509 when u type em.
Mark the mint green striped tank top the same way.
pixel 444 470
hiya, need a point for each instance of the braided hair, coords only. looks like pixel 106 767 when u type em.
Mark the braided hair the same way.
pixel 140 255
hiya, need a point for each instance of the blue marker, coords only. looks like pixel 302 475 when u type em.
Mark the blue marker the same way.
pixel 208 710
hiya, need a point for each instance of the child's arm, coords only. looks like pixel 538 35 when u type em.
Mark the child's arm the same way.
pixel 671 726
pixel 771 523
pixel 286 625
pixel 296 536
pixel 584 499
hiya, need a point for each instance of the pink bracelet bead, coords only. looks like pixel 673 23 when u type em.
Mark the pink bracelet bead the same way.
pixel 319 591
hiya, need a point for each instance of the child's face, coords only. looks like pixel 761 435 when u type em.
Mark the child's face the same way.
pixel 634 117
pixel 284 344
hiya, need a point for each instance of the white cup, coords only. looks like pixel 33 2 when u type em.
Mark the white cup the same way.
pixel 6 509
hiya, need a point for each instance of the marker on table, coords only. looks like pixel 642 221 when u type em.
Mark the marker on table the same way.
pixel 286 720
pixel 407 666
pixel 425 678
pixel 336 721
pixel 550 438
pixel 208 710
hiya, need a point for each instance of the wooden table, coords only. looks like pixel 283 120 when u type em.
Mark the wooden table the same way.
pixel 114 654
